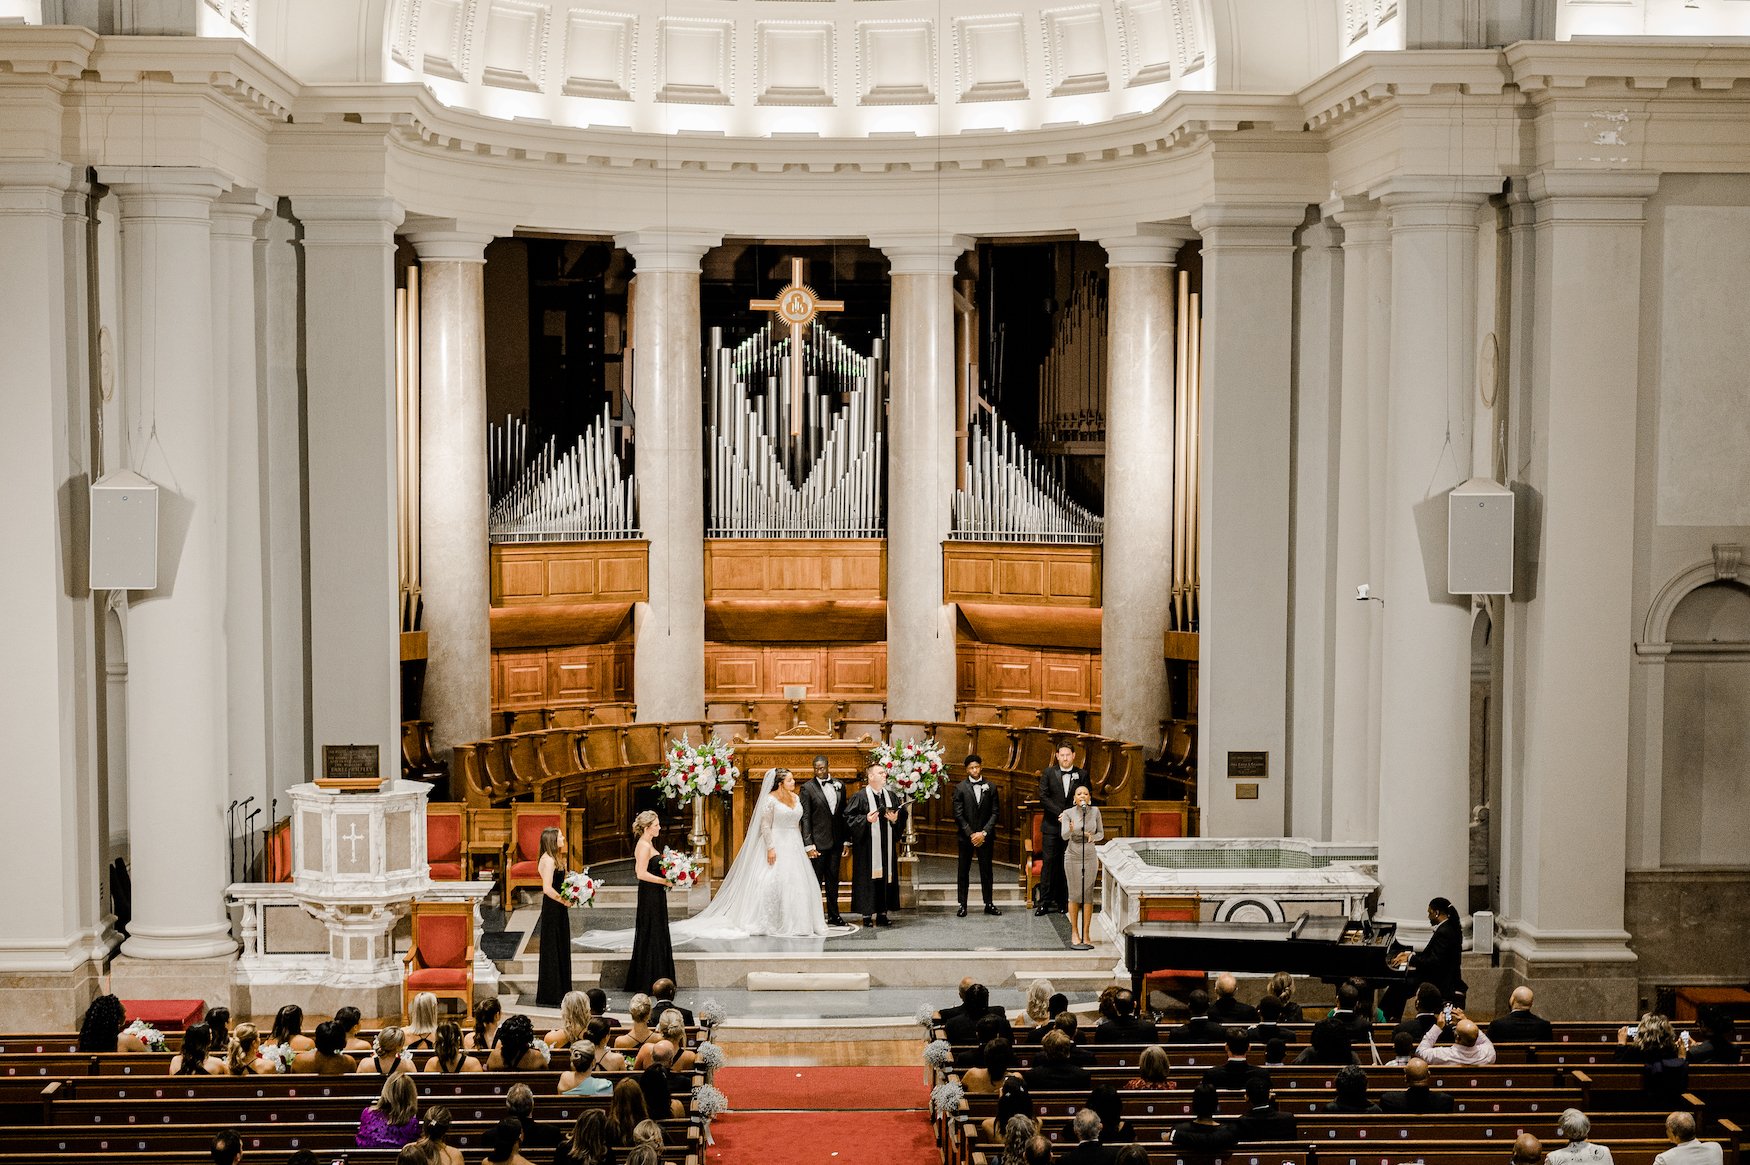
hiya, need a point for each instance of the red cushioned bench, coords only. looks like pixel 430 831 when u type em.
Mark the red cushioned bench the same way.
pixel 167 1015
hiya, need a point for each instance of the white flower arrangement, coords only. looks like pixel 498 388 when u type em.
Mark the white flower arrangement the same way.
pixel 679 868
pixel 939 1054
pixel 925 1016
pixel 709 1057
pixel 579 888
pixel 697 770
pixel 147 1035
pixel 945 1099
pixel 709 1101
pixel 710 1013
pixel 914 767
pixel 279 1055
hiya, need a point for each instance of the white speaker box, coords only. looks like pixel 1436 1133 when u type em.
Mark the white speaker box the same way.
pixel 1479 539
pixel 1482 932
pixel 124 533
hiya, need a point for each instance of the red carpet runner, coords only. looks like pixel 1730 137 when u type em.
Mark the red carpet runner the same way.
pixel 823 1116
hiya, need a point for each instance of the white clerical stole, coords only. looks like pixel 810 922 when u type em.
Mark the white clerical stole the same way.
pixel 878 836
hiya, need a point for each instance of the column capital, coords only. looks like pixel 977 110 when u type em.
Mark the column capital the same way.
pixel 680 252
pixel 1250 225
pixel 347 220
pixel 1435 202
pixel 1363 219
pixel 240 214
pixel 41 187
pixel 1147 244
pixel 923 253
pixel 448 240
pixel 164 191
pixel 1599 196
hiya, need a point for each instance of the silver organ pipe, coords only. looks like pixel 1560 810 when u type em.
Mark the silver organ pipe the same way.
pixel 1072 378
pixel 1011 496
pixel 779 469
pixel 582 494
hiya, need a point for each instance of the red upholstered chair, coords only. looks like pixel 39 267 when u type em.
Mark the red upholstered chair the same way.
pixel 1178 984
pixel 279 853
pixel 526 823
pixel 441 957
pixel 444 831
pixel 1162 819
pixel 1032 850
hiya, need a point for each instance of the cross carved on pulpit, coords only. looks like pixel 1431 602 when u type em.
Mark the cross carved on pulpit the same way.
pixel 353 837
pixel 797 305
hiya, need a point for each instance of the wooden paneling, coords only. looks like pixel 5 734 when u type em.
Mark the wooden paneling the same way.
pixel 1025 574
pixel 855 671
pixel 753 568
pixel 587 674
pixel 533 573
pixel 992 673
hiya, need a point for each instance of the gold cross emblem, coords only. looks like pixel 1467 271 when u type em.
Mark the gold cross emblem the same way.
pixel 797 305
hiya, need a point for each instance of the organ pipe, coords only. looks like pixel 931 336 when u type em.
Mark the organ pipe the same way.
pixel 1010 495
pixel 1072 378
pixel 579 494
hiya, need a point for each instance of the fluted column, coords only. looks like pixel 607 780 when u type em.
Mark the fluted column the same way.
pixel 920 475
pixel 668 674
pixel 1138 547
pixel 1248 361
pixel 178 751
pixel 1424 744
pixel 349 329
pixel 51 859
pixel 455 558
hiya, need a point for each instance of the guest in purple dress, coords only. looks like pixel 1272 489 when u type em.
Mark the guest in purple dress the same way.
pixel 392 1120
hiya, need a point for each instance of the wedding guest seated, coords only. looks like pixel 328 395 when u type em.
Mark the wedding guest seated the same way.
pixel 574 1017
pixel 1329 1043
pixel 218 1021
pixel 943 1015
pixel 1124 1026
pixel 1153 1070
pixel 519 1105
pixel 347 1019
pixel 1012 1102
pixel 1086 1128
pixel 1275 1052
pixel 486 1016
pixel 1052 1071
pixel 580 1078
pixel 998 1058
pixel 672 1030
pixel 598 1005
pixel 392 1120
pixel 420 1034
pixel 327 1056
pixel 1236 1071
pixel 659 1084
pixel 506 1139
pixel 1349 1012
pixel 1067 1023
pixel 100 1029
pixel 587 1142
pixel 1016 1133
pixel 1403 1047
pixel 288 1030
pixel 1281 987
pixel 388 1054
pixel 1527 1150
pixel 640 1032
pixel 515 1048
pixel 1664 1069
pixel 1037 1013
pixel 227 1147
pixel 196 1058
pixel 1131 1155
pixel 643 1154
pixel 1038 1150
pixel 1417 1096
pixel 1470 1047
pixel 1350 1091
pixel 1263 1121
pixel 963 1026
pixel 606 1059
pixel 1269 1026
pixel 243 1057
pixel 1203 1133
pixel 1114 1130
pixel 1226 1007
pixel 434 1129
pixel 1429 1001
pixel 1685 1149
pixel 1199 1029
pixel 648 1133
pixel 449 1055
pixel 1520 1022
pixel 626 1108
pixel 662 999
pixel 1717 1038
pixel 1574 1128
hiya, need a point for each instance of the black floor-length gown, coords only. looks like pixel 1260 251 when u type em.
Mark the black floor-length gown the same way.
pixel 652 952
pixel 555 978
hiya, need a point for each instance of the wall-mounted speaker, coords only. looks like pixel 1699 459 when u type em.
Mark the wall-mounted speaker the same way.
pixel 124 533
pixel 1479 539
pixel 1482 932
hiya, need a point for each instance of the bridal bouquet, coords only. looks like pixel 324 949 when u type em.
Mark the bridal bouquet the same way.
pixel 578 888
pixel 697 770
pixel 146 1034
pixel 280 1056
pixel 914 767
pixel 679 868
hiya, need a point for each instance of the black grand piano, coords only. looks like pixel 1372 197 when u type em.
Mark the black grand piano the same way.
pixel 1328 948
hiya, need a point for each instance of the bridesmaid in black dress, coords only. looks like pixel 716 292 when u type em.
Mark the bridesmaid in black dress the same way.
pixel 555 978
pixel 652 953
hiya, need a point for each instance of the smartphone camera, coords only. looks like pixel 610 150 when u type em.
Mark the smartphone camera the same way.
pixel 1634 1032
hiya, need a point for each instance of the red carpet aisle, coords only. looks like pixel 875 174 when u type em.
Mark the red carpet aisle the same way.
pixel 823 1116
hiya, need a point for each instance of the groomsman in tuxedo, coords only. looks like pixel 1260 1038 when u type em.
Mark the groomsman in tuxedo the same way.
pixel 823 832
pixel 1057 790
pixel 876 815
pixel 975 815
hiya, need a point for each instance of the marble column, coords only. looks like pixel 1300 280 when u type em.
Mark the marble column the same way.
pixel 1424 742
pixel 1564 920
pixel 668 661
pixel 1361 409
pixel 920 475
pixel 1248 363
pixel 51 956
pixel 349 410
pixel 178 743
pixel 455 559
pixel 1138 548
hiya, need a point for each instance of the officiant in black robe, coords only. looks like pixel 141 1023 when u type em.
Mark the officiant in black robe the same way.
pixel 875 844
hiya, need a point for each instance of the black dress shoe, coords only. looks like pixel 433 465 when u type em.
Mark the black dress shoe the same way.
pixel 867 921
pixel 961 913
pixel 835 920
pixel 883 920
pixel 992 911
pixel 1041 911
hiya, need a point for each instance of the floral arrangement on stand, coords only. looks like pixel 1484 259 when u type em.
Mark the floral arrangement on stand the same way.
pixel 146 1034
pixel 579 888
pixel 679 868
pixel 945 1099
pixel 709 1102
pixel 697 770
pixel 915 770
pixel 709 1014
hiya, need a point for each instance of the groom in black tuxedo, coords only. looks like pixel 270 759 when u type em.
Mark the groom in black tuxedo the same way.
pixel 1057 792
pixel 823 832
pixel 975 818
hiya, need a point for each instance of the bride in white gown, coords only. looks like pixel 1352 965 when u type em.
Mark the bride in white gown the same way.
pixel 770 888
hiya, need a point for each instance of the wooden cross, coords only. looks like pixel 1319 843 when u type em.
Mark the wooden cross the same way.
pixel 797 305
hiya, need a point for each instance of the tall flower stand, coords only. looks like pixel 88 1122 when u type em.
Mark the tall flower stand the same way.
pixel 908 858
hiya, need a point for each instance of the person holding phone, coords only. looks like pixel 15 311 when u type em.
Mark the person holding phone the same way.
pixel 1469 1046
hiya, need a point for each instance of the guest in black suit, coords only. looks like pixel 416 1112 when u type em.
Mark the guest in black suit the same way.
pixel 1236 1071
pixel 1717 1038
pixel 1350 1014
pixel 1263 1121
pixel 1416 1095
pixel 1124 1026
pixel 1269 1026
pixel 1520 1023
pixel 1086 1128
pixel 1203 1133
pixel 1329 1043
pixel 975 820
pixel 823 832
pixel 1067 1023
pixel 1114 1129
pixel 662 999
pixel 1199 1029
pixel 1057 788
pixel 962 1026
pixel 1052 1070
pixel 1428 1004
pixel 1351 1091
pixel 1438 962
pixel 1226 1007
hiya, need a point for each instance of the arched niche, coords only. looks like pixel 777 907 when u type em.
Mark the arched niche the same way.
pixel 1696 644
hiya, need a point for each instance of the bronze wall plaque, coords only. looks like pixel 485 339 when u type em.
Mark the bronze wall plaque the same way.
pixel 1246 792
pixel 351 766
pixel 1248 765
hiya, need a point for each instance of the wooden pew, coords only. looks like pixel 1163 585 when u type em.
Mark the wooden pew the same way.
pixel 680 1138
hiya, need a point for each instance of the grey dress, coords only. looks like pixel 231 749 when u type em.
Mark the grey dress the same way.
pixel 1080 863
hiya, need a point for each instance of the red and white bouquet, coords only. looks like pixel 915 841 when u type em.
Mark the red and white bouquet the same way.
pixel 914 767
pixel 578 888
pixel 679 868
pixel 146 1034
pixel 697 770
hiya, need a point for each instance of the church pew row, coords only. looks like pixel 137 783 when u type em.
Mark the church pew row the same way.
pixel 1291 1076
pixel 1624 1152
pixel 1202 1056
pixel 202 1156
pixel 680 1138
pixel 432 1086
pixel 1600 1032
pixel 1536 1105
